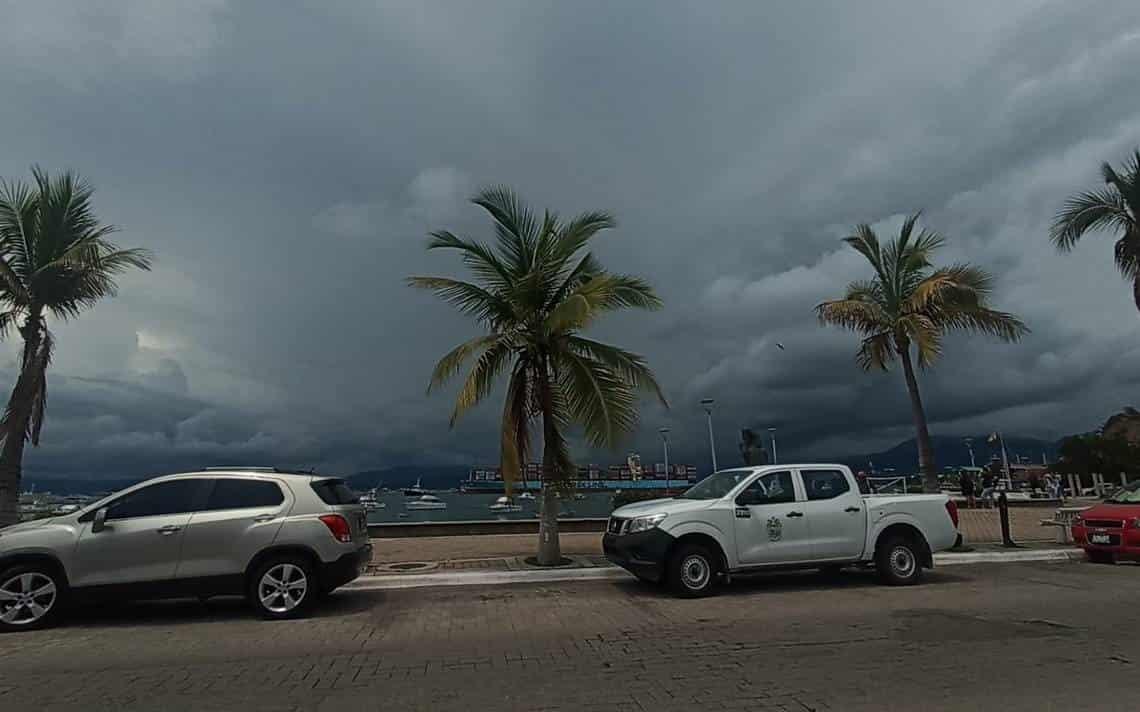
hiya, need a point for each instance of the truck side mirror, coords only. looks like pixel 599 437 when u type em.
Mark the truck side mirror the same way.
pixel 747 498
pixel 99 523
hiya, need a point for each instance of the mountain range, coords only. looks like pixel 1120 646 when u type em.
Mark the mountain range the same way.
pixel 902 458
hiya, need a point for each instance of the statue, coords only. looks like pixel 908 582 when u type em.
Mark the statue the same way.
pixel 752 452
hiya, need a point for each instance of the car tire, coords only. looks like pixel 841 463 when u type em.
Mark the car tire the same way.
pixel 898 560
pixel 1100 557
pixel 693 571
pixel 283 587
pixel 41 591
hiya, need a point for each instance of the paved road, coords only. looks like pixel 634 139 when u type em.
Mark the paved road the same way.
pixel 1010 637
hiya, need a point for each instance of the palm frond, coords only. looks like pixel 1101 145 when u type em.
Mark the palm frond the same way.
pixel 866 242
pixel 629 367
pixel 1084 212
pixel 515 427
pixel 875 351
pixel 859 314
pixel 983 320
pixel 958 284
pixel 575 234
pixel 476 256
pixel 468 298
pixel 481 379
pixel 597 398
pixel 450 364
pixel 1126 253
pixel 515 225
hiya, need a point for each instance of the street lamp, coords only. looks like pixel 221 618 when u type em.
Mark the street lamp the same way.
pixel 772 434
pixel 970 446
pixel 665 442
pixel 707 404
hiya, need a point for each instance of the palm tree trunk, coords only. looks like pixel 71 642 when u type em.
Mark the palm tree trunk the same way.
pixel 12 453
pixel 549 545
pixel 922 435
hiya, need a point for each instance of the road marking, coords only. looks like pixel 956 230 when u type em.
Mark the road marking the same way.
pixel 612 573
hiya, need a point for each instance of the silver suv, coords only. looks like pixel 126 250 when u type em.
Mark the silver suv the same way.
pixel 280 538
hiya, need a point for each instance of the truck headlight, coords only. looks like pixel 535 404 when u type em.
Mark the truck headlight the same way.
pixel 642 524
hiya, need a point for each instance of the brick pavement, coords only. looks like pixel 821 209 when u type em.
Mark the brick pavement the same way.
pixel 987 637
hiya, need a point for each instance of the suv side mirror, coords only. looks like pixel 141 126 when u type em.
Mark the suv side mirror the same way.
pixel 99 523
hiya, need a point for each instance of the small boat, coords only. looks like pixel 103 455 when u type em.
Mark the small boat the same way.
pixel 370 502
pixel 526 495
pixel 424 503
pixel 416 490
pixel 504 504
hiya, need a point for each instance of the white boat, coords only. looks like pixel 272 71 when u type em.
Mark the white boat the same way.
pixel 526 495
pixel 370 502
pixel 416 490
pixel 504 504
pixel 424 503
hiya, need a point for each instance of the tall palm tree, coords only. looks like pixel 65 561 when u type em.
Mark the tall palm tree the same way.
pixel 1115 207
pixel 55 259
pixel 534 293
pixel 910 304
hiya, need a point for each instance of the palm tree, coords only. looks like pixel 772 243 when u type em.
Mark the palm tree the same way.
pixel 908 303
pixel 55 259
pixel 534 293
pixel 1115 207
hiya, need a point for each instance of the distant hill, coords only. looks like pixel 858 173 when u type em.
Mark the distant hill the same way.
pixel 951 451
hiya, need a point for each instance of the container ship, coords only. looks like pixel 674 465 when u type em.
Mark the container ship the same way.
pixel 631 475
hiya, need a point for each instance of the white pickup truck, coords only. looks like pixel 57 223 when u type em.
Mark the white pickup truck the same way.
pixel 778 516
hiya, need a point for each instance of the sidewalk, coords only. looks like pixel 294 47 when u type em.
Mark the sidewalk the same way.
pixel 449 553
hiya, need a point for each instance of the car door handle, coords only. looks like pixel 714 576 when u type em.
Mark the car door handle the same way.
pixel 265 517
pixel 853 509
pixel 795 514
pixel 168 530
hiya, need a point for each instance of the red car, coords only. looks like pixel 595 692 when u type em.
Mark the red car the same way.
pixel 1110 531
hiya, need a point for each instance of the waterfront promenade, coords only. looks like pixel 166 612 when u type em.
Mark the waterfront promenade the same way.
pixel 1038 636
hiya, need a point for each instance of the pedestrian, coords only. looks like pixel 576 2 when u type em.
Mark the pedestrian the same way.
pixel 967 484
pixel 988 489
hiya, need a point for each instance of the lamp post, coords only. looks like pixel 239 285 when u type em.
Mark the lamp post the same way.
pixel 707 404
pixel 772 434
pixel 665 442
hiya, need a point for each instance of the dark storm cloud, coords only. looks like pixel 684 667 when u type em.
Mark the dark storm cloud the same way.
pixel 286 164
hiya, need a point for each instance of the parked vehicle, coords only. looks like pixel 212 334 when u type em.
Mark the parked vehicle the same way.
pixel 1110 531
pixel 282 539
pixel 778 516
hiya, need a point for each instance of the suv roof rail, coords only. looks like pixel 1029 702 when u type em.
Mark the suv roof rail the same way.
pixel 241 467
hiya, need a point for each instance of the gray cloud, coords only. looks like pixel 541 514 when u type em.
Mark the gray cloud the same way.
pixel 285 166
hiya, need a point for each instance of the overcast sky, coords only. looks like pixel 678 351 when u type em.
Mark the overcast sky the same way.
pixel 285 160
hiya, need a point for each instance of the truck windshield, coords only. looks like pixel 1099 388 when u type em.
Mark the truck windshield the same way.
pixel 716 485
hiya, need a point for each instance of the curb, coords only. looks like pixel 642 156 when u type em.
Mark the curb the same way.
pixel 388 582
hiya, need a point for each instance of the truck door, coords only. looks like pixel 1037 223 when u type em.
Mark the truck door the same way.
pixel 770 524
pixel 836 514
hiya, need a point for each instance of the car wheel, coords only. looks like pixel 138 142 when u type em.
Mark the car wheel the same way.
pixel 31 596
pixel 897 561
pixel 692 571
pixel 1100 557
pixel 283 587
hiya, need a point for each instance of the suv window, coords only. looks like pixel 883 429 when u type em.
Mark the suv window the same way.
pixel 824 484
pixel 770 488
pixel 334 492
pixel 244 494
pixel 173 497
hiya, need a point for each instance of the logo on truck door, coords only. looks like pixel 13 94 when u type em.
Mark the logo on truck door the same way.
pixel 775 529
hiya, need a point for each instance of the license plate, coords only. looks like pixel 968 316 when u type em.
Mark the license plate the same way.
pixel 1100 538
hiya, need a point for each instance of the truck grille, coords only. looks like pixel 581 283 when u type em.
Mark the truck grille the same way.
pixel 1104 523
